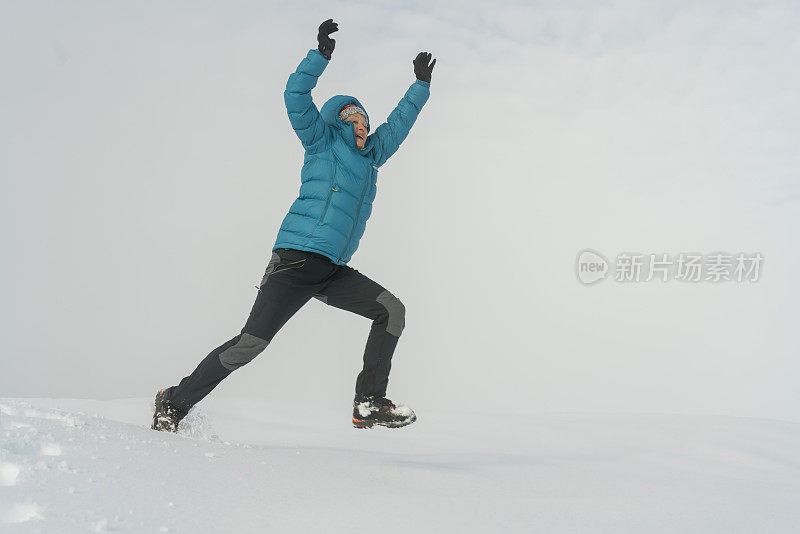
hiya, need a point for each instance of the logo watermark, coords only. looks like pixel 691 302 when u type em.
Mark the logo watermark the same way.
pixel 592 267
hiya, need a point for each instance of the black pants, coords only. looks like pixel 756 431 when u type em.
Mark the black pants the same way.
pixel 292 278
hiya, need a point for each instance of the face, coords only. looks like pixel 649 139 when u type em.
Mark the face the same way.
pixel 360 124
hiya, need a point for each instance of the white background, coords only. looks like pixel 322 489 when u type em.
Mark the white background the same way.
pixel 147 161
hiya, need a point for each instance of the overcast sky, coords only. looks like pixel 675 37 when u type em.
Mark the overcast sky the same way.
pixel 147 161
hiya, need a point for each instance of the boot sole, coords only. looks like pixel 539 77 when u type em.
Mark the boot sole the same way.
pixel 364 423
pixel 360 423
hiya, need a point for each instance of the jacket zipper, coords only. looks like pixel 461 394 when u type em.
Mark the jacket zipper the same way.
pixel 358 211
pixel 327 203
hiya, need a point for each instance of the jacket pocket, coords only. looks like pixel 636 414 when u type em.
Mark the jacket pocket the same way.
pixel 331 191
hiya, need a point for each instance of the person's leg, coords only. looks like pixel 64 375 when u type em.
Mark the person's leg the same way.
pixel 350 290
pixel 291 279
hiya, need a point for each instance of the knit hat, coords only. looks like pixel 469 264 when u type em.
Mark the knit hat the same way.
pixel 349 109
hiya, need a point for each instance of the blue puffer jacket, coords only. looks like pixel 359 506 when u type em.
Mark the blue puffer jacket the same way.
pixel 338 180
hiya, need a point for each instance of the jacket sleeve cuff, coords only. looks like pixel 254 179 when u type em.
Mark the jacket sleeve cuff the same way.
pixel 317 60
pixel 423 83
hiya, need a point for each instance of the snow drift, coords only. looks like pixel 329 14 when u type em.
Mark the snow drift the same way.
pixel 238 466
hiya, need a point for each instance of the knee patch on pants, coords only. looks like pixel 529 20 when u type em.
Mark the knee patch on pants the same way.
pixel 243 352
pixel 397 312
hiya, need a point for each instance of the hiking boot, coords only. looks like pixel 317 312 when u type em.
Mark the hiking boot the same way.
pixel 370 411
pixel 166 417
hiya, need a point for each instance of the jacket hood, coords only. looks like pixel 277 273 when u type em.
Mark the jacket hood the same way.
pixel 330 109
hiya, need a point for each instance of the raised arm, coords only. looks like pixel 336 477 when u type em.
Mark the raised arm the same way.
pixel 393 132
pixel 303 113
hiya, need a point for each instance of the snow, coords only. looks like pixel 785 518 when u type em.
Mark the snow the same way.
pixel 19 513
pixel 71 465
pixel 363 408
pixel 8 474
pixel 403 410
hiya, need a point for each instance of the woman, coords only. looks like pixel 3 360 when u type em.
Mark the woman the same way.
pixel 316 240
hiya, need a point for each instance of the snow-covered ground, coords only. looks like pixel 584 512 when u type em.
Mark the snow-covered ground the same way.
pixel 81 466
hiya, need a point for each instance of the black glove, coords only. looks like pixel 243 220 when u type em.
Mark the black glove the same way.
pixel 421 67
pixel 326 44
